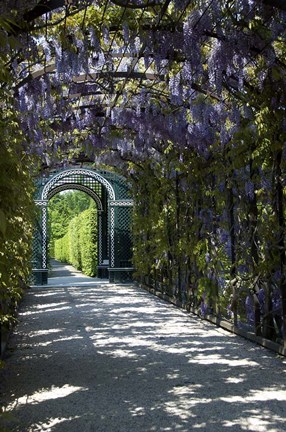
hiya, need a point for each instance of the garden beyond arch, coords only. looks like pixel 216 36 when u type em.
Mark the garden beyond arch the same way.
pixel 110 191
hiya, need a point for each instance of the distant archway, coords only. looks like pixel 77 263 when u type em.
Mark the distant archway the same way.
pixel 111 194
pixel 81 188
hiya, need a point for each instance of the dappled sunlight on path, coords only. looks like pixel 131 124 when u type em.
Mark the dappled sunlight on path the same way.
pixel 64 274
pixel 109 358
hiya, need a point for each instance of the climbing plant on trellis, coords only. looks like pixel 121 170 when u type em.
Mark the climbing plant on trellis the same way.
pixel 191 93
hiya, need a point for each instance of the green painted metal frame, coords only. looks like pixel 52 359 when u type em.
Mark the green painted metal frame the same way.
pixel 112 196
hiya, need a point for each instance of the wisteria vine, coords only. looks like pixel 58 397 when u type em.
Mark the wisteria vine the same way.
pixel 187 99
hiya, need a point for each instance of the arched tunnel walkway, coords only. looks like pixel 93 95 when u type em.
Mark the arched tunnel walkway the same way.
pixel 108 358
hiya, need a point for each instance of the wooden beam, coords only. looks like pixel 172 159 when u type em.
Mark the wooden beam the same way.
pixel 42 8
pixel 133 75
pixel 95 75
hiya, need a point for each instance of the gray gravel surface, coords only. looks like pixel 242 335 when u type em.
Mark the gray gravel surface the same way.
pixel 113 358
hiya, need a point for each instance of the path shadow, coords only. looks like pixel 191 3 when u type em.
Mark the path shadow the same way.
pixel 64 274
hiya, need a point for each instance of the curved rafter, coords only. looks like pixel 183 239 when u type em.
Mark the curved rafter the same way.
pixel 116 90
pixel 82 188
pixel 66 177
pixel 46 6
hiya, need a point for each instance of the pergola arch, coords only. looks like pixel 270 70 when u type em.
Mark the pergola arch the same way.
pixel 81 188
pixel 111 195
pixel 66 174
pixel 176 93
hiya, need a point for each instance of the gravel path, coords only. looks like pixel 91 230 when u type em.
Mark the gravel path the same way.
pixel 113 358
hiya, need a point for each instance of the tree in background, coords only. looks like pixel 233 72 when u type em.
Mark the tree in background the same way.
pixel 73 230
pixel 63 207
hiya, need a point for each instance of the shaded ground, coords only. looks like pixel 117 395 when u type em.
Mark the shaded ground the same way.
pixel 66 275
pixel 113 358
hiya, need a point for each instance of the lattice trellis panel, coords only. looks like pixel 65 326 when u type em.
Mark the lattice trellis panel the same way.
pixel 37 246
pixel 79 187
pixel 119 184
pixel 39 256
pixel 122 236
pixel 77 177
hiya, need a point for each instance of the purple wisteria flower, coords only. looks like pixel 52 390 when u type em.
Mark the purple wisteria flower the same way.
pixel 249 189
pixel 249 306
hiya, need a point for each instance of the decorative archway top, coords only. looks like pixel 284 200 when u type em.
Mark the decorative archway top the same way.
pixel 52 183
pixel 79 187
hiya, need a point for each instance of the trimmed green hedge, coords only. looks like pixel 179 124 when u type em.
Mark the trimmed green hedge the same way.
pixel 62 249
pixel 79 246
pixel 17 212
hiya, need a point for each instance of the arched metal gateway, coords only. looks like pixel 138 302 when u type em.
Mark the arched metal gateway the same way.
pixel 114 207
